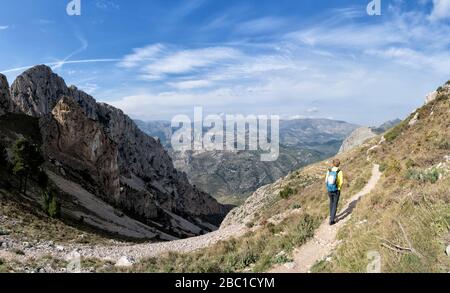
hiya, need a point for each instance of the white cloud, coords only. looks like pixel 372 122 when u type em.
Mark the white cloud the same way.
pixel 352 37
pixel 264 24
pixel 4 27
pixel 156 61
pixel 441 10
pixel 90 88
pixel 437 62
pixel 357 71
pixel 188 60
pixel 141 55
pixel 190 84
pixel 312 110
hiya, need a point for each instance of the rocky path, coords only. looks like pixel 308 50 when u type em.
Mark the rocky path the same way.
pixel 118 251
pixel 145 250
pixel 324 241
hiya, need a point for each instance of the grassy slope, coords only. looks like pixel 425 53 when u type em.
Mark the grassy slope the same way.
pixel 418 205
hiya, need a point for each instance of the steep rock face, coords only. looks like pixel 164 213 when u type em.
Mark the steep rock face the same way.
pixel 4 95
pixel 357 137
pixel 150 188
pixel 75 140
pixel 154 167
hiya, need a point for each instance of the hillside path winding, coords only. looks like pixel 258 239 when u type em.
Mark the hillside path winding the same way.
pixel 324 240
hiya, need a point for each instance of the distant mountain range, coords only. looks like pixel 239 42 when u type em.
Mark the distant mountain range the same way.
pixel 232 176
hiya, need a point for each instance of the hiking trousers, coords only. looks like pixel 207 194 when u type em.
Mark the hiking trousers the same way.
pixel 334 201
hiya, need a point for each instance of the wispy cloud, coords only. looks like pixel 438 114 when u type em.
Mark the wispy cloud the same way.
pixel 186 9
pixel 157 61
pixel 337 68
pixel 52 64
pixel 83 47
pixel 4 27
pixel 141 55
pixel 441 10
pixel 188 60
pixel 190 84
pixel 261 25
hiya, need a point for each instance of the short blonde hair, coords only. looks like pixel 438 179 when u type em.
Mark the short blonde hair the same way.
pixel 336 162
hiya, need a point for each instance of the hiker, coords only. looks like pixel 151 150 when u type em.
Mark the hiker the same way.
pixel 334 181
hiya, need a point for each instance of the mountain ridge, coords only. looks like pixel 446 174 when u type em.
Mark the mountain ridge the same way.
pixel 141 180
pixel 233 176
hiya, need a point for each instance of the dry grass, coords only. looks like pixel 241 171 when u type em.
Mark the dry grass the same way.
pixel 408 218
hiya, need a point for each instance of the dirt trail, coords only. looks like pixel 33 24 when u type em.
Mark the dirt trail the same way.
pixel 324 241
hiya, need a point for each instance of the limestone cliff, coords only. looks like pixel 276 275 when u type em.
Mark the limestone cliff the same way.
pixel 103 149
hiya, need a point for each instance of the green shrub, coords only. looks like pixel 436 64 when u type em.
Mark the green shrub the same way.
pixel 432 175
pixel 296 206
pixel 392 134
pixel 249 224
pixel 390 166
pixel 382 167
pixel 443 144
pixel 410 163
pixel 395 132
pixel 304 229
pixel 287 192
pixel 50 204
pixel 53 208
pixel 281 259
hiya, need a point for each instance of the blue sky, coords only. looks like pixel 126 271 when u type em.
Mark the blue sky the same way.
pixel 299 58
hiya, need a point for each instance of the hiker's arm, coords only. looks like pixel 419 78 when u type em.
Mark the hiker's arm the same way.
pixel 340 180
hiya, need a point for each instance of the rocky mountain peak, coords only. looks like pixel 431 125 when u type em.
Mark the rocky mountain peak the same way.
pixel 36 91
pixel 125 167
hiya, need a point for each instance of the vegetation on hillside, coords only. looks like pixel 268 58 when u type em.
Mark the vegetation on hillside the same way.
pixel 406 220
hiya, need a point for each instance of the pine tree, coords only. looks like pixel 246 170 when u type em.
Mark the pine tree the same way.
pixel 26 161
